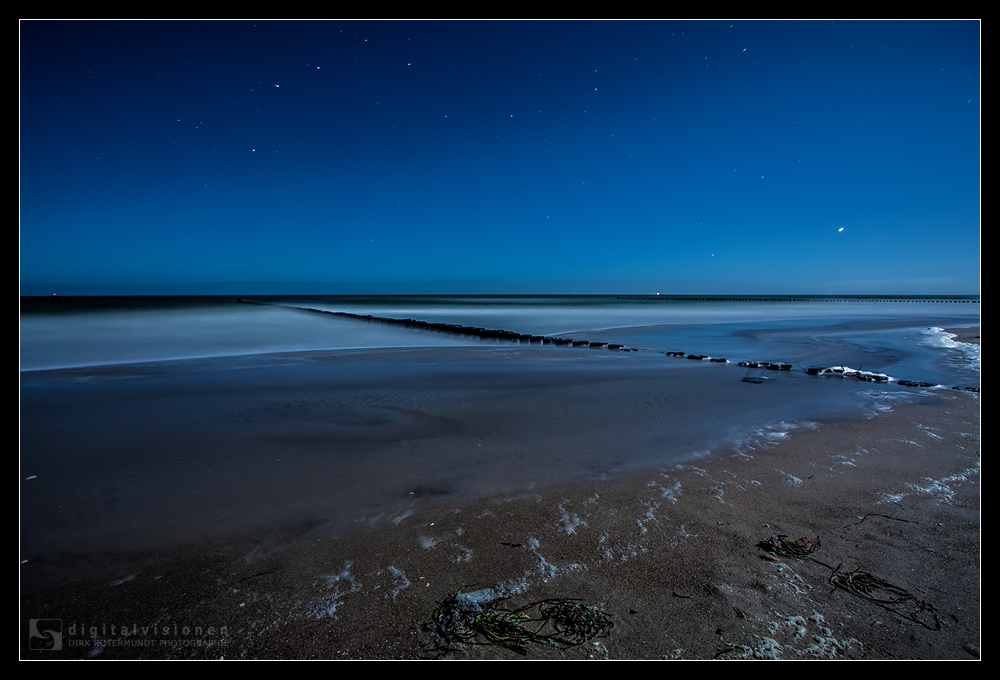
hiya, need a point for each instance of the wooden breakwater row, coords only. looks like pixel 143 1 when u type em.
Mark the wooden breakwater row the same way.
pixel 499 335
pixel 842 371
pixel 511 336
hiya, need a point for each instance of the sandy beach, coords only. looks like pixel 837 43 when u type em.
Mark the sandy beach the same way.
pixel 669 557
pixel 488 340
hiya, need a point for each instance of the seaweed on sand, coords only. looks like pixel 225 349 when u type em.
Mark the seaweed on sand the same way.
pixel 859 583
pixel 780 545
pixel 476 618
pixel 886 595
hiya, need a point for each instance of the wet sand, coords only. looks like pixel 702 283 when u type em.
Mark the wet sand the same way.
pixel 669 553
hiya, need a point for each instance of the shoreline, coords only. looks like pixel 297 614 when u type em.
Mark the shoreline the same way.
pixel 669 554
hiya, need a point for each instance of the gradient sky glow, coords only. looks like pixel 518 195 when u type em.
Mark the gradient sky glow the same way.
pixel 228 157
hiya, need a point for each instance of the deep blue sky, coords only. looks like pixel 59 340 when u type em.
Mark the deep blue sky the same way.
pixel 482 157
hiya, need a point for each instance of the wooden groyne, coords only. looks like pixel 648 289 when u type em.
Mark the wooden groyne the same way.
pixel 500 335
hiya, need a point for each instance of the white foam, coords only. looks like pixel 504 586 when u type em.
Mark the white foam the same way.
pixel 476 599
pixel 671 493
pixel 940 488
pixel 768 436
pixel 337 586
pixel 401 580
pixel 791 479
pixel 570 522
pixel 970 353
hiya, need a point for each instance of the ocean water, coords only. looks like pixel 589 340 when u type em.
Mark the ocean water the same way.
pixel 147 422
pixel 886 335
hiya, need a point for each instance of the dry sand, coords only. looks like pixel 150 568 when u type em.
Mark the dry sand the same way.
pixel 670 555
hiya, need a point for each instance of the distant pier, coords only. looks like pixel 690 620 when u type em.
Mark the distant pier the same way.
pixel 802 298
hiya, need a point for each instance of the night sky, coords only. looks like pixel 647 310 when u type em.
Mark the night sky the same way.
pixel 325 157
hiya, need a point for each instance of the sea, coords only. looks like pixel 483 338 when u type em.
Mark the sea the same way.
pixel 147 422
pixel 897 335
